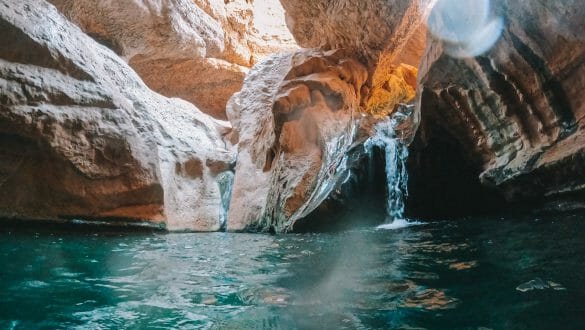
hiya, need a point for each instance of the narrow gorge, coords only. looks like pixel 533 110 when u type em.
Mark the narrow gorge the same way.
pixel 350 126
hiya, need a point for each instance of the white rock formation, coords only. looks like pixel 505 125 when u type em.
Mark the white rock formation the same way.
pixel 81 136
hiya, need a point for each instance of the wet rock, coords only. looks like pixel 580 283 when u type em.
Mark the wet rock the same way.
pixel 196 50
pixel 81 136
pixel 465 265
pixel 430 299
pixel 515 112
pixel 539 284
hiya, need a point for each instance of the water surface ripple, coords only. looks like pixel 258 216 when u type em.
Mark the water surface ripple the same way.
pixel 449 274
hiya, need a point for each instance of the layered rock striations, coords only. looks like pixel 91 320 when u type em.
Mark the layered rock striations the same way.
pixel 513 115
pixel 81 136
pixel 196 50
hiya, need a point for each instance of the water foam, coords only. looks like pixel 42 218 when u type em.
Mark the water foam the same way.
pixel 396 155
pixel 399 224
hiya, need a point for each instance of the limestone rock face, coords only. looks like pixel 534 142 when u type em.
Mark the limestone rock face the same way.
pixel 296 118
pixel 81 136
pixel 369 28
pixel 198 50
pixel 388 37
pixel 516 112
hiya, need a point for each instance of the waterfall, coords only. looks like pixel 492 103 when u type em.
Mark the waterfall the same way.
pixel 396 154
pixel 225 181
pixel 393 136
pixel 396 177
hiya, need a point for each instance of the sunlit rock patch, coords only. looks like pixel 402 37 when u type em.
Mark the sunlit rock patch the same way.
pixel 391 85
pixel 198 50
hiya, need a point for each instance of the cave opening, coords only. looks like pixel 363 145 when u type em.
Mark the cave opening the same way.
pixel 444 182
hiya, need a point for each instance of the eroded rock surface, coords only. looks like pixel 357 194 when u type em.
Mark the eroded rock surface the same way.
pixel 293 138
pixel 196 50
pixel 515 113
pixel 369 28
pixel 297 116
pixel 82 136
pixel 386 36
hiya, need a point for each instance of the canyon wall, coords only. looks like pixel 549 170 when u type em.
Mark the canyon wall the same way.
pixel 82 137
pixel 101 145
pixel 299 115
pixel 509 122
pixel 197 50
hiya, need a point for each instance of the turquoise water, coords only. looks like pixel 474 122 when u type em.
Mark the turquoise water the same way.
pixel 470 274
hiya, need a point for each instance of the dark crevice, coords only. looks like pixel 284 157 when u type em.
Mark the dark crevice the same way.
pixel 444 182
pixel 360 202
pixel 109 43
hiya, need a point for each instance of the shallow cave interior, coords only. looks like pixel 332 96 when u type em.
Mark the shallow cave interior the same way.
pixel 442 184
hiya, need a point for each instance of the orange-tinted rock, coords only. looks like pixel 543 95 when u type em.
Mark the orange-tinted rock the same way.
pixel 387 36
pixel 391 85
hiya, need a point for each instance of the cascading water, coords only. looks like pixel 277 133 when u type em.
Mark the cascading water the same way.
pixel 396 154
pixel 226 183
pixel 393 136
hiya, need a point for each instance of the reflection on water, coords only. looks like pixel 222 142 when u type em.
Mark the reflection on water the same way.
pixel 480 272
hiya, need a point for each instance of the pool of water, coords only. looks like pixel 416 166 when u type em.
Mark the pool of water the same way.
pixel 492 272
